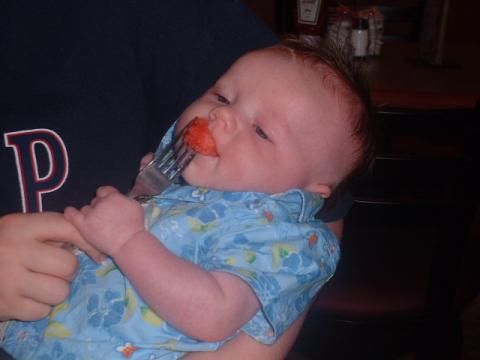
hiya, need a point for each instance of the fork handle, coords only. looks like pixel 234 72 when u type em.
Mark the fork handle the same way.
pixel 149 182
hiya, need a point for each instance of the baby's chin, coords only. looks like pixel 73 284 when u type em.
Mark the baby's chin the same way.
pixel 199 171
pixel 205 178
pixel 200 182
pixel 210 181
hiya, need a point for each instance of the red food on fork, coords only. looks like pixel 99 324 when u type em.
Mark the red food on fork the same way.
pixel 198 137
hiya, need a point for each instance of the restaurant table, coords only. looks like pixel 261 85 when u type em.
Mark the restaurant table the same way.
pixel 398 78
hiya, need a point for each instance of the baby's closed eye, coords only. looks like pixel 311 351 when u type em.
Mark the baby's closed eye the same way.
pixel 259 131
pixel 222 99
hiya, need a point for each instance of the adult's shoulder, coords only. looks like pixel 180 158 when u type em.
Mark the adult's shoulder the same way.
pixel 203 36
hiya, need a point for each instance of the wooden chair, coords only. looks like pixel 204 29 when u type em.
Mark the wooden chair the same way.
pixel 395 286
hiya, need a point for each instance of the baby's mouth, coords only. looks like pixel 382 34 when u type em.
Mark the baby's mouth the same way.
pixel 199 138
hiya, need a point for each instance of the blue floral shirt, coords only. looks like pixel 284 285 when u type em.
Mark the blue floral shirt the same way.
pixel 272 242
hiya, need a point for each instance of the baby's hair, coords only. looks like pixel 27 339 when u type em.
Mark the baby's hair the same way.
pixel 345 78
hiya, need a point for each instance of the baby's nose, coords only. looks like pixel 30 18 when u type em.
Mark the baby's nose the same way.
pixel 223 118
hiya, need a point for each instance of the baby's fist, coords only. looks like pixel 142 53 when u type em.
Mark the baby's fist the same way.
pixel 109 221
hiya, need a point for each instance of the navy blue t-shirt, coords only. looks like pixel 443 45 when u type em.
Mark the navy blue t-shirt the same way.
pixel 88 87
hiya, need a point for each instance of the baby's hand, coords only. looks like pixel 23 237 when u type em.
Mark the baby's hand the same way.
pixel 109 221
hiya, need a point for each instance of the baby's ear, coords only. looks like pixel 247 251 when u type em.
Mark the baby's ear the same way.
pixel 323 190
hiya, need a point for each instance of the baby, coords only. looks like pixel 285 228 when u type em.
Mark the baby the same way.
pixel 237 248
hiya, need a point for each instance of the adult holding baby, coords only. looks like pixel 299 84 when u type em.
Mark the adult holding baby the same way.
pixel 87 88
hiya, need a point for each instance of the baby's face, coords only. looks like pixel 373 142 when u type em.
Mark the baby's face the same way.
pixel 276 128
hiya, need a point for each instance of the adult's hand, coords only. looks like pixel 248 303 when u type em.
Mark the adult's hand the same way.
pixel 35 265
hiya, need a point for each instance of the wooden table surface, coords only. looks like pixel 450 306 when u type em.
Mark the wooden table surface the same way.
pixel 398 80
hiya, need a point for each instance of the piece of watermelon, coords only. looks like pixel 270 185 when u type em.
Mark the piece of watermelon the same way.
pixel 198 137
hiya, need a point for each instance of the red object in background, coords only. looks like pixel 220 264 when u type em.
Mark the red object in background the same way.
pixel 199 138
pixel 311 17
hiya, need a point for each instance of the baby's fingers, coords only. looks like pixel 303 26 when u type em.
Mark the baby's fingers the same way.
pixel 77 219
pixel 106 190
pixel 73 215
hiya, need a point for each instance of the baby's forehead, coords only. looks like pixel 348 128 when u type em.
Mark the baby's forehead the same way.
pixel 326 73
pixel 276 55
pixel 314 71
pixel 320 69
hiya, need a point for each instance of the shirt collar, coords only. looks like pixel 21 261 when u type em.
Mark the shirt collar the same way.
pixel 305 205
pixel 167 138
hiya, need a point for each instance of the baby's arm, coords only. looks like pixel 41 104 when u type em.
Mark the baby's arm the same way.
pixel 208 306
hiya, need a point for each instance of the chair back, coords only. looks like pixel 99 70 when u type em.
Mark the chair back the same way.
pixel 404 239
pixel 416 207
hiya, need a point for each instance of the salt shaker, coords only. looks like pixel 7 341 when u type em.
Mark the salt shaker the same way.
pixel 359 38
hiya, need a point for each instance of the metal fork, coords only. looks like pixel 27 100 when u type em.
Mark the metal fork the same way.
pixel 159 173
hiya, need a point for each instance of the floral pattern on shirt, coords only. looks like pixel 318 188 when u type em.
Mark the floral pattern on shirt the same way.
pixel 272 242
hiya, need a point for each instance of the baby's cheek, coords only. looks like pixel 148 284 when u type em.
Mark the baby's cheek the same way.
pixel 191 174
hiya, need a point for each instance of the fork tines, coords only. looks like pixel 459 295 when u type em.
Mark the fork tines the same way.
pixel 173 160
pixel 162 170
